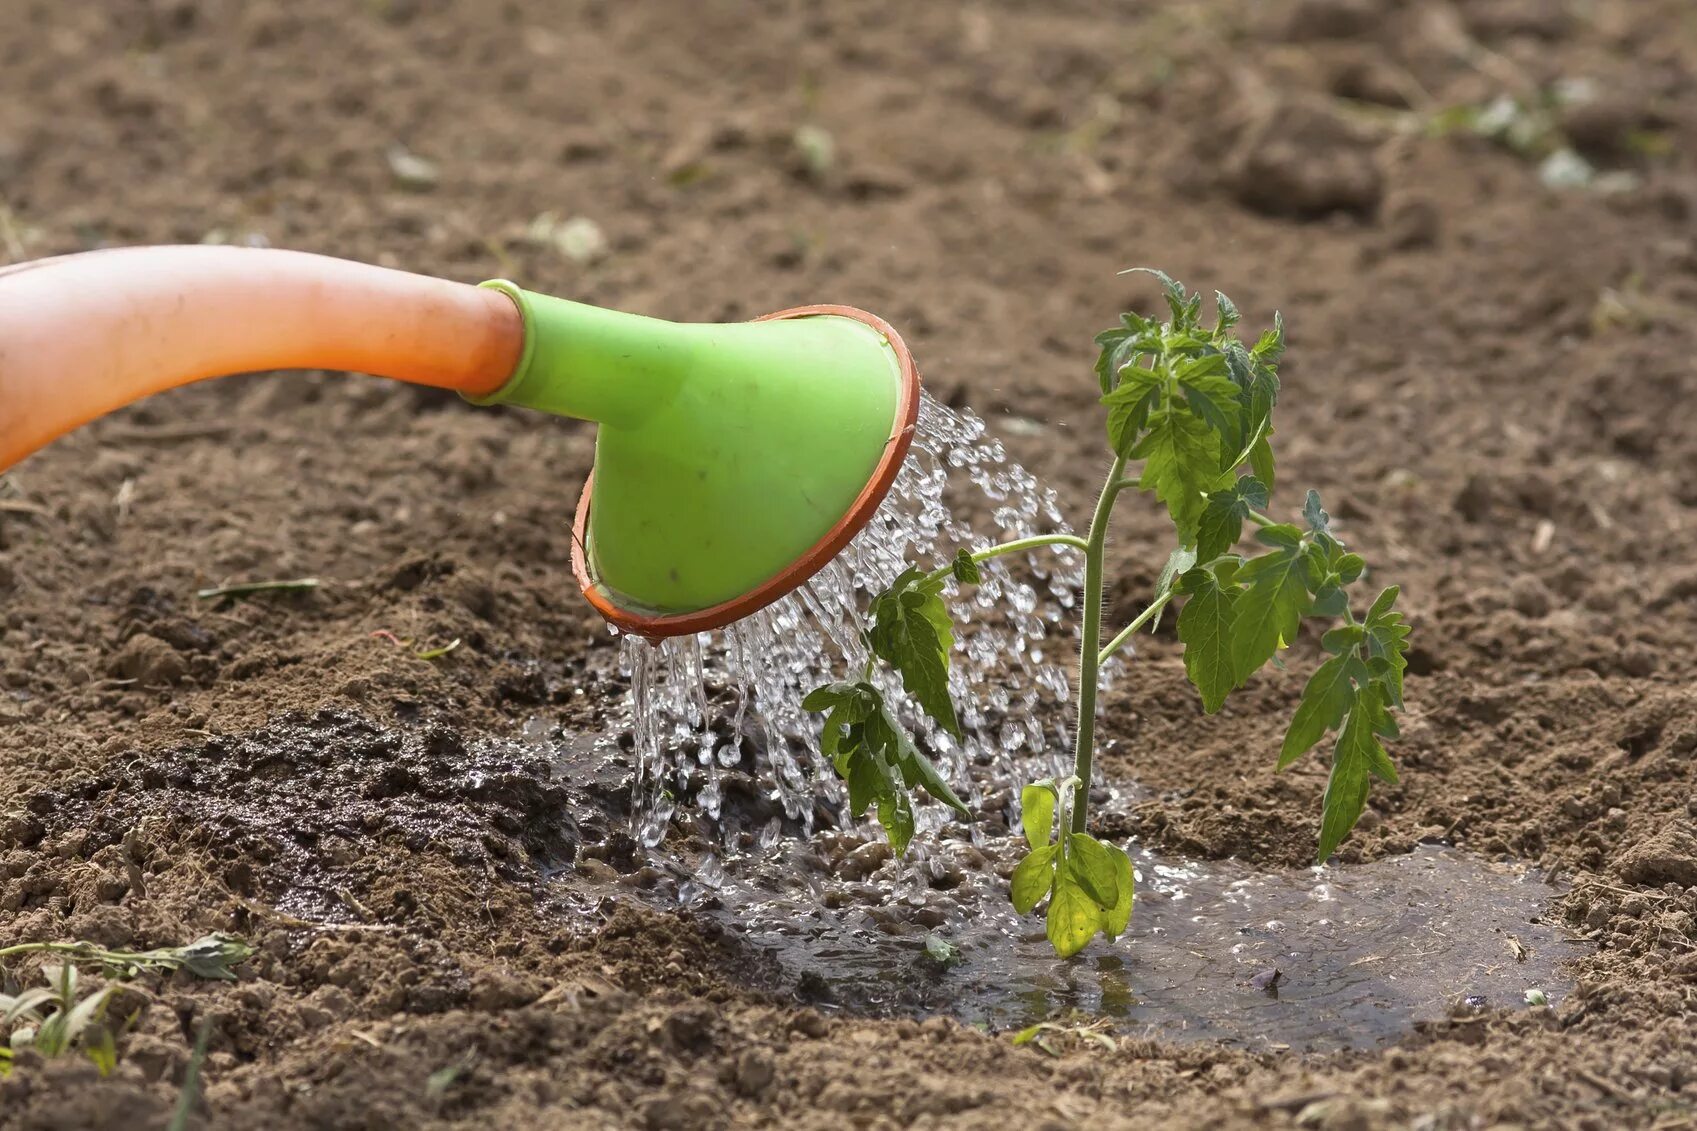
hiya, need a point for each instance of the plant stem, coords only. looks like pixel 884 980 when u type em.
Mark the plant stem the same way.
pixel 1072 541
pixel 81 950
pixel 1129 630
pixel 1089 658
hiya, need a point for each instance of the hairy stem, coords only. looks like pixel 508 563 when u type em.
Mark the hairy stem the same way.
pixel 1037 541
pixel 1130 630
pixel 1089 659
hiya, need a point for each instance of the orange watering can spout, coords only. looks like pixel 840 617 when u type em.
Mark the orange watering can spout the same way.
pixel 82 335
pixel 732 461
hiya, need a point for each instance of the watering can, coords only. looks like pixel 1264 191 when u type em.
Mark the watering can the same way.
pixel 732 462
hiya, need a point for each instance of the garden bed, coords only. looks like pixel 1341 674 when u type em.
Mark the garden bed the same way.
pixel 1490 378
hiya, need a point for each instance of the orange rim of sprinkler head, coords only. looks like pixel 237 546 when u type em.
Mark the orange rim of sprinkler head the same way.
pixel 733 461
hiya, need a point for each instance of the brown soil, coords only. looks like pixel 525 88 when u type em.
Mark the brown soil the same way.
pixel 1491 380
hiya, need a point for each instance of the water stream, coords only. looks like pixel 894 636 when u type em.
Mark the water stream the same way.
pixel 719 743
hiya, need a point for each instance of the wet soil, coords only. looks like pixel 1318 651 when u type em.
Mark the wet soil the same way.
pixel 1490 379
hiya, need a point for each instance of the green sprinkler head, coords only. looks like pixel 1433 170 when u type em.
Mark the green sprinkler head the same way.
pixel 732 462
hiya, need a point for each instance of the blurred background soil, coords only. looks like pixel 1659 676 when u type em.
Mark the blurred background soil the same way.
pixel 1479 220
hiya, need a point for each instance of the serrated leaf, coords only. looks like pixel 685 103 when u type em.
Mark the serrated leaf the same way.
pixel 1221 524
pixel 1205 627
pixel 1073 918
pixel 1178 564
pixel 1387 639
pixel 964 568
pixel 866 779
pixel 1122 346
pixel 1271 345
pixel 1171 290
pixel 1330 601
pixel 1034 877
pixel 1261 461
pixel 1327 698
pixel 1269 611
pixel 916 769
pixel 1204 373
pixel 1092 866
pixel 1357 754
pixel 912 633
pixel 895 813
pixel 1228 314
pixel 1118 917
pixel 1109 360
pixel 1037 813
pixel 1318 520
pixel 1180 455
pixel 1281 534
pixel 1213 398
pixel 1343 638
pixel 1129 405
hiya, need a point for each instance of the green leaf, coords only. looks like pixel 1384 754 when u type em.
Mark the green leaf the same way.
pixel 1261 460
pixel 1228 312
pixel 1073 918
pixel 1222 521
pixel 885 733
pixel 1171 290
pixel 85 1013
pixel 940 950
pixel 895 813
pixel 1178 564
pixel 1357 755
pixel 1270 610
pixel 1093 867
pixel 1205 627
pixel 1318 520
pixel 1118 917
pixel 1180 457
pixel 1129 405
pixel 1121 346
pixel 828 696
pixel 1343 638
pixel 1387 639
pixel 1213 398
pixel 1271 346
pixel 1327 698
pixel 1037 813
pixel 867 779
pixel 1206 372
pixel 964 568
pixel 1034 877
pixel 850 705
pixel 912 633
pixel 1330 601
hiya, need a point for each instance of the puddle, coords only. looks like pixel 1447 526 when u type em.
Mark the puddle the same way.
pixel 1362 953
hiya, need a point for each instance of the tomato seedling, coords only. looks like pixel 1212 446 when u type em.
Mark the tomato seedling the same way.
pixel 1192 407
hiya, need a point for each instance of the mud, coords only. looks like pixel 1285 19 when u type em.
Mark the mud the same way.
pixel 1490 380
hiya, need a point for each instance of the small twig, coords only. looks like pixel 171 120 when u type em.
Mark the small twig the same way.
pixel 1598 1083
pixel 288 920
pixel 251 587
